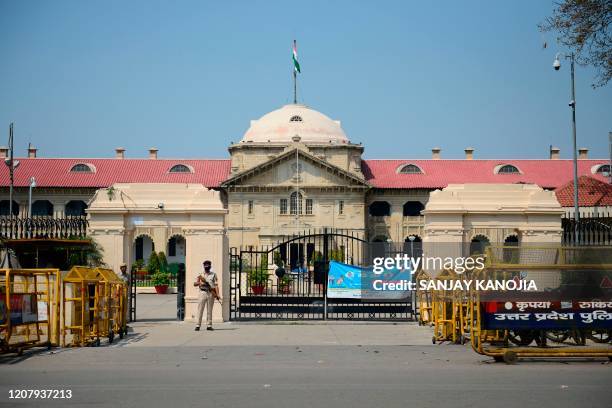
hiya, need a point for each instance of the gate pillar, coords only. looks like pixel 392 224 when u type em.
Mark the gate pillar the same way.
pixel 206 244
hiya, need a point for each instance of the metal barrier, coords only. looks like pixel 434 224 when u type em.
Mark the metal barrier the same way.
pixel 570 314
pixel 112 305
pixel 424 300
pixel 81 321
pixel 29 310
pixel 447 311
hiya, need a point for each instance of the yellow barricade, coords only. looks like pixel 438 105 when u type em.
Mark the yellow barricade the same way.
pixel 424 299
pixel 446 316
pixel 113 304
pixel 29 308
pixel 81 314
pixel 569 314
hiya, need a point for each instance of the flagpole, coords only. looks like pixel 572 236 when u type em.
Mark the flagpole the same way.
pixel 294 73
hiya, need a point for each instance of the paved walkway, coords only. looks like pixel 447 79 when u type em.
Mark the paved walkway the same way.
pixel 156 327
pixel 175 334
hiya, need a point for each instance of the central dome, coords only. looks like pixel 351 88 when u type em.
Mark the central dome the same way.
pixel 283 124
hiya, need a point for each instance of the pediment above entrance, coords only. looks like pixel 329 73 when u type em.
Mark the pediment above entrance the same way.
pixel 292 168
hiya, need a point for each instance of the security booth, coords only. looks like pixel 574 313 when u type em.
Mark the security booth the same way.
pixel 112 298
pixel 81 320
pixel 562 307
pixel 29 308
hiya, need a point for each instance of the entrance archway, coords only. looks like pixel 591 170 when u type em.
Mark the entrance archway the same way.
pixel 143 246
pixel 176 252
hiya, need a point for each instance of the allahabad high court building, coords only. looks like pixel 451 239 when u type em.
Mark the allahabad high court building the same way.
pixel 295 169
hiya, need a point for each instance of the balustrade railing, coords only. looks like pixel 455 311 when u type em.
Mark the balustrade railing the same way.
pixel 43 227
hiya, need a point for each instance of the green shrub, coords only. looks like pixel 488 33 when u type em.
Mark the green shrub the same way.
pixel 163 261
pixel 160 279
pixel 258 277
pixel 153 264
pixel 263 263
pixel 138 265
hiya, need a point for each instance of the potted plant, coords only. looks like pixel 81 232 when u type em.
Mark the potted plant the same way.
pixel 161 281
pixel 258 280
pixel 280 265
pixel 284 284
pixel 157 275
pixel 138 270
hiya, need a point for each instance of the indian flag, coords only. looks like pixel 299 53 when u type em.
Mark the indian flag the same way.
pixel 296 64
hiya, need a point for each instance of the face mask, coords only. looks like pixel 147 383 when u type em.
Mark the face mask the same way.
pixel 207 268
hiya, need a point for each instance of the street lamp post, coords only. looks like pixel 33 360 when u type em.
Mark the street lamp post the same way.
pixel 610 163
pixel 411 238
pixel 12 165
pixel 32 185
pixel 572 104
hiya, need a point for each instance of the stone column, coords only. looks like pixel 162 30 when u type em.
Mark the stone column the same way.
pixel 206 244
pixel 111 242
pixel 59 209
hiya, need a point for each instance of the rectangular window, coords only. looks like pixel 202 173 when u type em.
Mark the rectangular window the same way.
pixel 308 206
pixel 283 206
pixel 250 207
pixel 172 247
pixel 139 248
pixel 341 207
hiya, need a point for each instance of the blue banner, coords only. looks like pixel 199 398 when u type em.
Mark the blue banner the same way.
pixel 353 282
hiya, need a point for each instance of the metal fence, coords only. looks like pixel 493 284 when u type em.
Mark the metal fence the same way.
pixel 592 228
pixel 288 280
pixel 146 280
pixel 43 227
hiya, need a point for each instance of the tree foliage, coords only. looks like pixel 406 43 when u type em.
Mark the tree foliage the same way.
pixel 584 27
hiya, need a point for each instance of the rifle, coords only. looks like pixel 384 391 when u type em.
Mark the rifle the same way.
pixel 211 290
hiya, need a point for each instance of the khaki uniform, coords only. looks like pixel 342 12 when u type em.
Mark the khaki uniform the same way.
pixel 205 298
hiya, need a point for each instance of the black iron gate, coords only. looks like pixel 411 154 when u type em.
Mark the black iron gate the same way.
pixel 143 280
pixel 288 281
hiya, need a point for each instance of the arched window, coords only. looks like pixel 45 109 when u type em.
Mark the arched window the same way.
pixel 295 118
pixel 5 207
pixel 603 169
pixel 380 209
pixel 413 208
pixel 512 240
pixel 508 169
pixel 511 255
pixel 295 203
pixel 42 208
pixel 81 168
pixel 410 169
pixel 180 168
pixel 478 244
pixel 75 208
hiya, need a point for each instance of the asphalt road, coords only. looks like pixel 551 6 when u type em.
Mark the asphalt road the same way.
pixel 163 363
pixel 303 376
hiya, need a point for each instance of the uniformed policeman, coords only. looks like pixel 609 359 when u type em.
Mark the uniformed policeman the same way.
pixel 207 283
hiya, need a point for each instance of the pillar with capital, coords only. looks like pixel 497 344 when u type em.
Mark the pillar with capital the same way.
pixel 206 244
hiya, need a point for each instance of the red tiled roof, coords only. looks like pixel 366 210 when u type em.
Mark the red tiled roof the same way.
pixel 56 172
pixel 440 173
pixel 591 193
pixel 50 172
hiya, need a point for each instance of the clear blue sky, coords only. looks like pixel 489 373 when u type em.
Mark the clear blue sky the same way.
pixel 80 78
